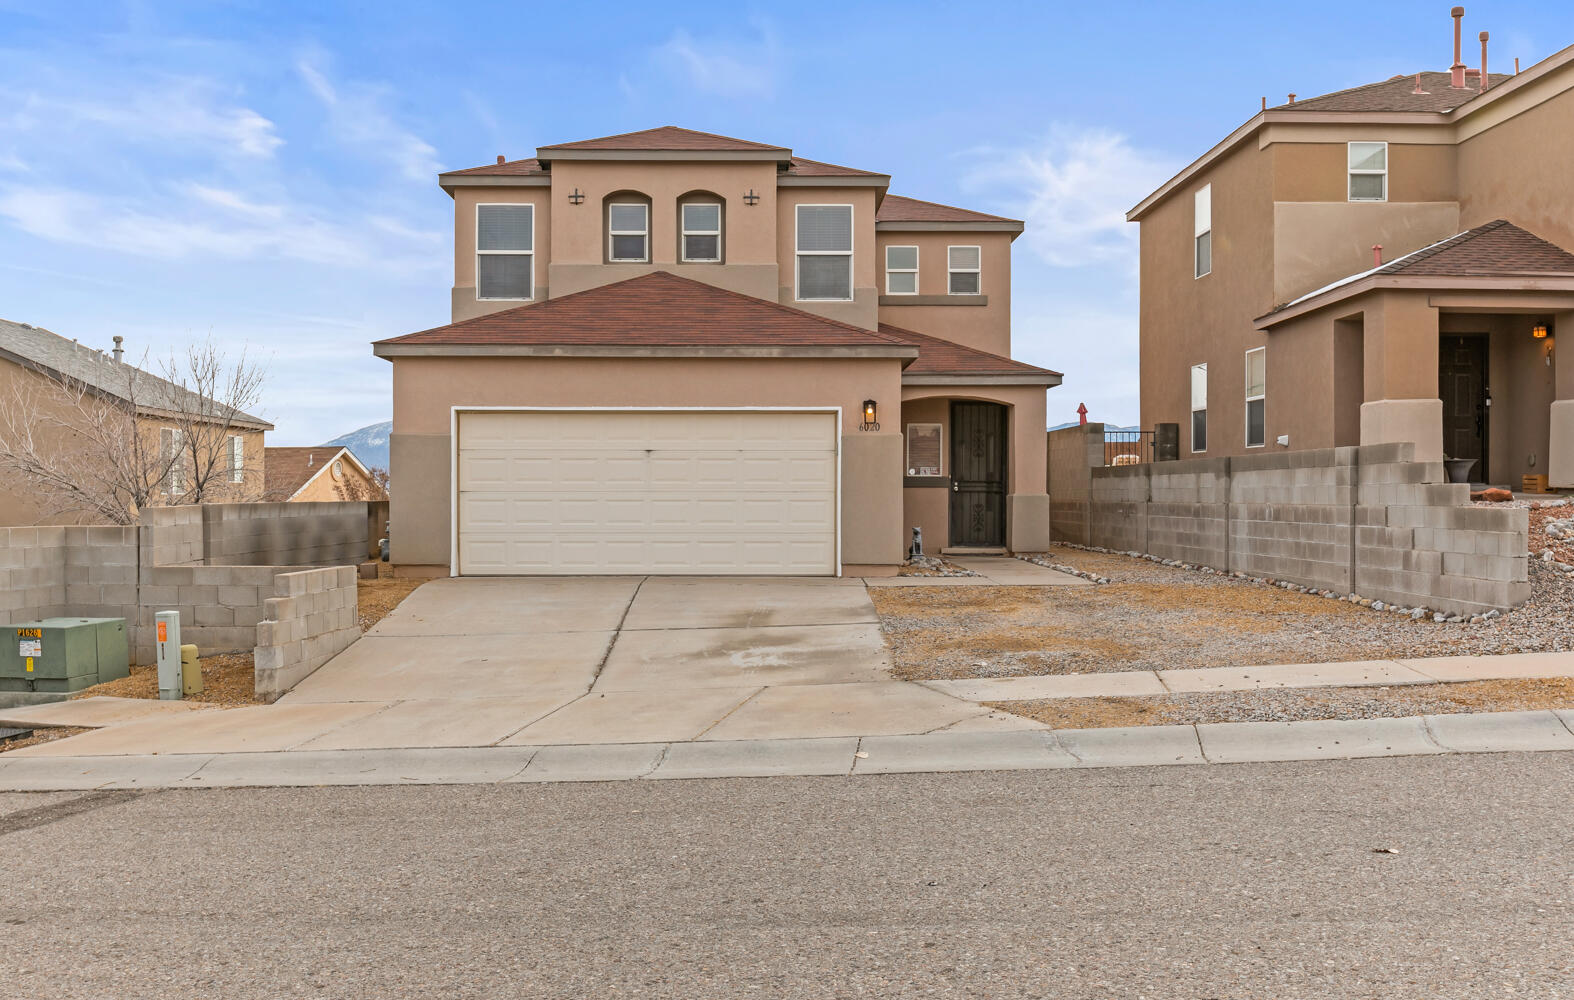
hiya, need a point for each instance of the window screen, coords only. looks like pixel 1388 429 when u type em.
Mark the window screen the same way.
pixel 505 244
pixel 962 265
pixel 1199 407
pixel 901 270
pixel 702 232
pixel 1368 171
pixel 825 259
pixel 1255 393
pixel 1202 231
pixel 504 227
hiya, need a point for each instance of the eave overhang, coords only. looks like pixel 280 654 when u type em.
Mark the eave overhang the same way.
pixel 1529 283
pixel 1005 226
pixel 384 349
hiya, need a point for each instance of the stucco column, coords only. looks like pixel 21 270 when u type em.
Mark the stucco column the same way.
pixel 1399 347
pixel 1027 496
pixel 1560 446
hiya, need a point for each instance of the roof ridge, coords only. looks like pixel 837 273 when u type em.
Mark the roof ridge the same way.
pixel 659 128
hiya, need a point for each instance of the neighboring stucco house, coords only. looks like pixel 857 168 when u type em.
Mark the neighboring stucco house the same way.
pixel 34 361
pixel 325 473
pixel 1386 263
pixel 676 352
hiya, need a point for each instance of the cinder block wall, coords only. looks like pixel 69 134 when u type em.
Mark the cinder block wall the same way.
pixel 32 573
pixel 310 619
pixel 1072 453
pixel 285 534
pixel 1366 520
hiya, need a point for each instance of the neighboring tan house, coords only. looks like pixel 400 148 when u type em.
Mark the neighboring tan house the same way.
pixel 323 473
pixel 30 355
pixel 675 352
pixel 1386 263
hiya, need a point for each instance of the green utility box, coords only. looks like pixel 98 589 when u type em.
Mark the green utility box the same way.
pixel 61 655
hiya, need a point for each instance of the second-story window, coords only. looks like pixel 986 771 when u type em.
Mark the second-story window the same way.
pixel 1202 231
pixel 1368 171
pixel 504 251
pixel 628 232
pixel 701 232
pixel 963 265
pixel 825 252
pixel 901 270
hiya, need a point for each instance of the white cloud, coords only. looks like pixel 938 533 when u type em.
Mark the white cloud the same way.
pixel 185 110
pixel 1073 190
pixel 728 67
pixel 359 120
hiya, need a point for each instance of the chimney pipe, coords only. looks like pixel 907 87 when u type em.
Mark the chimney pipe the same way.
pixel 118 341
pixel 1457 71
pixel 1484 83
pixel 500 158
pixel 1377 255
pixel 1292 98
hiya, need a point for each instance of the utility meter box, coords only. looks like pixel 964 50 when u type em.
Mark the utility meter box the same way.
pixel 61 655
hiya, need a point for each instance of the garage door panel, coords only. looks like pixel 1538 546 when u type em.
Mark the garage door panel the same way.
pixel 647 492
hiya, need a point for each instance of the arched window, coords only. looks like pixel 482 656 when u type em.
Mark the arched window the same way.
pixel 626 216
pixel 701 222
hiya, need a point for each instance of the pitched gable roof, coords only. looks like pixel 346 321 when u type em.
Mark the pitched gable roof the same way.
pixel 1397 93
pixel 898 208
pixel 509 168
pixel 1498 249
pixel 664 138
pixel 286 471
pixel 656 310
pixel 60 358
pixel 801 167
pixel 942 357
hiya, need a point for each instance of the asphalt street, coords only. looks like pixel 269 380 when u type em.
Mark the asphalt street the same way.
pixel 1277 880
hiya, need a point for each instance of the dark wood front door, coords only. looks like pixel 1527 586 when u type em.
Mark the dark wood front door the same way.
pixel 978 474
pixel 1462 386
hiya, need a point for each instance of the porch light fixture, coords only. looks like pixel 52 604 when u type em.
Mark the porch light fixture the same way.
pixel 870 413
pixel 1539 331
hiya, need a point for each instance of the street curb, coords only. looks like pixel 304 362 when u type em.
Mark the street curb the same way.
pixel 1143 746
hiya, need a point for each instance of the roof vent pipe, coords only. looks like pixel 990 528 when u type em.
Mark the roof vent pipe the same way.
pixel 1457 71
pixel 1377 255
pixel 500 158
pixel 118 341
pixel 1484 83
pixel 1418 89
pixel 1292 98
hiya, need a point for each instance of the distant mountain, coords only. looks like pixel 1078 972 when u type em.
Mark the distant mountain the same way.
pixel 1061 427
pixel 370 444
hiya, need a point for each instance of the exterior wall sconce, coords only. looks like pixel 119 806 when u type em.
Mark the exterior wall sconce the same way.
pixel 1539 331
pixel 751 199
pixel 871 411
pixel 576 198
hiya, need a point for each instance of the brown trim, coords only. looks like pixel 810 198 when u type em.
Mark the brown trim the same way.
pixel 926 482
pixel 982 226
pixel 934 300
pixel 1379 282
pixel 546 154
pixel 974 378
pixel 834 181
pixel 447 181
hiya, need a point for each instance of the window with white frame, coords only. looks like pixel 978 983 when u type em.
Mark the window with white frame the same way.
pixel 504 251
pixel 169 442
pixel 1256 383
pixel 628 232
pixel 701 232
pixel 1368 171
pixel 824 244
pixel 924 449
pixel 901 270
pixel 1199 407
pixel 1202 231
pixel 237 458
pixel 963 265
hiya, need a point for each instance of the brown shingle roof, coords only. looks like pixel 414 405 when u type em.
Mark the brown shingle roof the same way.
pixel 896 208
pixel 655 310
pixel 1397 94
pixel 286 470
pixel 512 168
pixel 942 357
pixel 667 137
pixel 1497 249
pixel 801 167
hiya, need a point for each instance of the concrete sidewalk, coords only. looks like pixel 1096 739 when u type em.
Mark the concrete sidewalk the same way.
pixel 848 756
pixel 1359 673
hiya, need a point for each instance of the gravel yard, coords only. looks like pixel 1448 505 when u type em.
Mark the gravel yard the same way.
pixel 1296 705
pixel 1152 617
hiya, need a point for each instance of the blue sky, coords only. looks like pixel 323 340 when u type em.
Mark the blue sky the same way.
pixel 264 173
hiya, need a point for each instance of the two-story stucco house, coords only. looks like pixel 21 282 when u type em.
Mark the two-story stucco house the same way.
pixel 676 352
pixel 1387 263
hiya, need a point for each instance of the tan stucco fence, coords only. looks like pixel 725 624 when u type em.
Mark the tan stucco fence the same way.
pixel 216 564
pixel 1368 520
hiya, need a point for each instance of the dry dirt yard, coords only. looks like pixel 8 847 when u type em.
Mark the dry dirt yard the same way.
pixel 1153 617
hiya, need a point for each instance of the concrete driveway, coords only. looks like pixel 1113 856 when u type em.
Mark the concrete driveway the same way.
pixel 538 661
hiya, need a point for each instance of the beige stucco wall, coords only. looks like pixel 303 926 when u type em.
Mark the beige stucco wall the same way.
pixel 864 309
pixel 353 485
pixel 1519 169
pixel 465 304
pixel 425 390
pixel 986 327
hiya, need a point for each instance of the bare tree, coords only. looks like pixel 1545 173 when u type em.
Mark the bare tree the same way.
pixel 85 448
pixel 211 395
pixel 109 439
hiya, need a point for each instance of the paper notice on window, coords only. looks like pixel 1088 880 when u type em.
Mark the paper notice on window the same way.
pixel 923 449
pixel 31 647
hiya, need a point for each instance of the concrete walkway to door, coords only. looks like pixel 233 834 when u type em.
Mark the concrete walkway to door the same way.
pixel 586 660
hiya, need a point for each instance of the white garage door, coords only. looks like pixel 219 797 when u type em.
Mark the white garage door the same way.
pixel 647 491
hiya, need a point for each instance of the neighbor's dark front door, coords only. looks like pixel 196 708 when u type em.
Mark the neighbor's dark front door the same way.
pixel 1462 386
pixel 978 474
